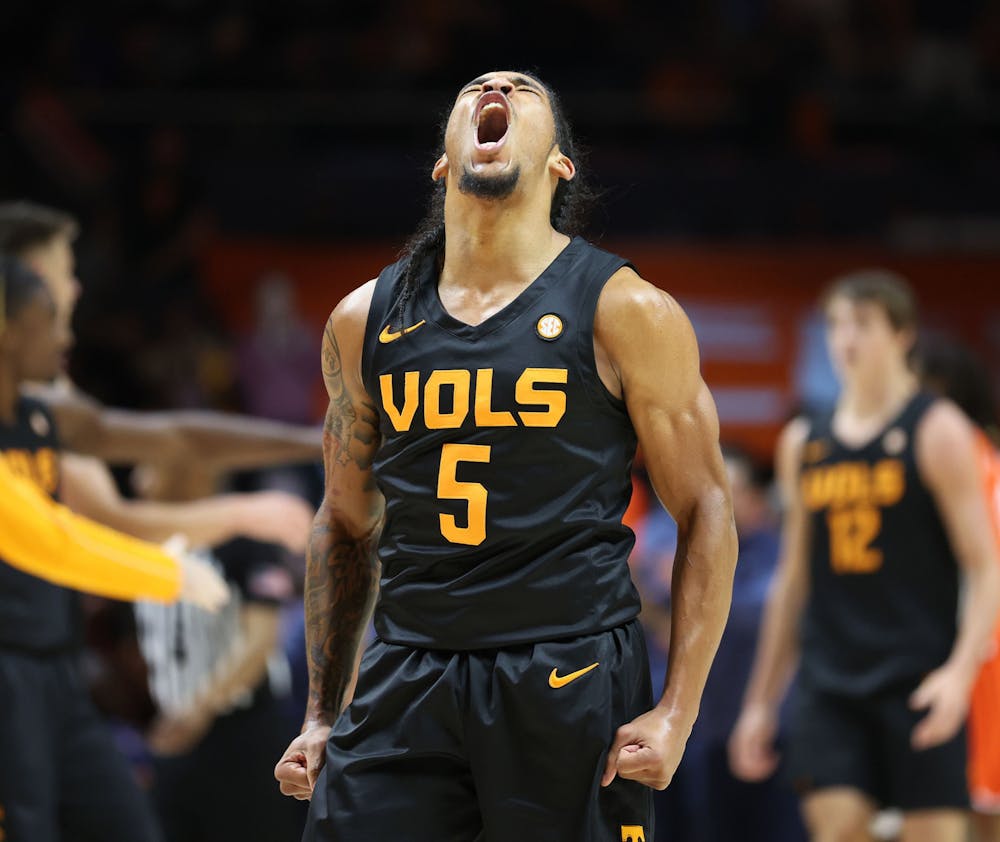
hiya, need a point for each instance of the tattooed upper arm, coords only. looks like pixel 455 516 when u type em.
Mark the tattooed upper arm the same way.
pixel 351 433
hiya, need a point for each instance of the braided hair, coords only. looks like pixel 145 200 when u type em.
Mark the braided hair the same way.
pixel 571 206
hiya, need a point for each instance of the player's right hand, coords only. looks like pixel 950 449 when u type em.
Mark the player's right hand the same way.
pixel 201 584
pixel 302 761
pixel 751 745
pixel 277 517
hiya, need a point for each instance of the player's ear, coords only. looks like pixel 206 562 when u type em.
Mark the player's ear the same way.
pixel 440 168
pixel 561 166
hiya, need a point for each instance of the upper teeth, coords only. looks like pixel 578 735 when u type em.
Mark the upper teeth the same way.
pixel 490 105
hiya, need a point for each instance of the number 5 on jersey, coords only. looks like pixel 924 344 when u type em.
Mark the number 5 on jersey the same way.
pixel 451 488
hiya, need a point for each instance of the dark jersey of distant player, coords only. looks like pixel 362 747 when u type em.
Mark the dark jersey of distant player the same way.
pixel 35 615
pixel 884 590
pixel 505 465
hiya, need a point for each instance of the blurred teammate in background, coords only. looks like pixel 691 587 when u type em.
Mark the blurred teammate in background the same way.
pixel 60 776
pixel 953 371
pixel 43 239
pixel 884 508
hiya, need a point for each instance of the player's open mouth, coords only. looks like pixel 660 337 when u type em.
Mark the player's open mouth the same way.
pixel 491 120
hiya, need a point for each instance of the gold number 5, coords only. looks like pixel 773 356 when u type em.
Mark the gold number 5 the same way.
pixel 450 488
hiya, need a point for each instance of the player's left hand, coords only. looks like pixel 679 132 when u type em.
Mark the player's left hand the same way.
pixel 944 693
pixel 648 750
pixel 178 734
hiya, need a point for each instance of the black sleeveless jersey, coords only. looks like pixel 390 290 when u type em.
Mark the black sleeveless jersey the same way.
pixel 883 602
pixel 34 615
pixel 504 462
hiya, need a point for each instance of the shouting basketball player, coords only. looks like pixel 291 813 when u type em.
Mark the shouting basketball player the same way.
pixel 486 396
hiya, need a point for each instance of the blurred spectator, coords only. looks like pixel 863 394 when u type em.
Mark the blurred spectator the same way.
pixel 278 363
pixel 815 381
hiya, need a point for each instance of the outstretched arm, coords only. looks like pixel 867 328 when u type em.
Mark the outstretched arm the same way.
pixel 341 564
pixel 272 516
pixel 649 347
pixel 224 441
pixel 40 537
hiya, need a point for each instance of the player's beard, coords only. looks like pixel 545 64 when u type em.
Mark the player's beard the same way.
pixel 493 187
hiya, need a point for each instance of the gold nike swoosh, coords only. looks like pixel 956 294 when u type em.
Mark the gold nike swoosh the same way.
pixel 387 336
pixel 557 681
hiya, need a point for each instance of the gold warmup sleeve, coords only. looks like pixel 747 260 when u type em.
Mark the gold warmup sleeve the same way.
pixel 45 539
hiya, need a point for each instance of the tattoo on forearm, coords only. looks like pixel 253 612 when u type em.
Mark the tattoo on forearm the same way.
pixel 350 433
pixel 342 569
pixel 341 583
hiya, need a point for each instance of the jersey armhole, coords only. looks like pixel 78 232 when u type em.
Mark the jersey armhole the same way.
pixel 378 308
pixel 587 315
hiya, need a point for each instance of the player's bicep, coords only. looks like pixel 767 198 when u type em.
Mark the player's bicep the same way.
pixel 77 417
pixel 681 448
pixel 671 408
pixel 117 436
pixel 949 465
pixel 351 434
pixel 86 486
pixel 793 566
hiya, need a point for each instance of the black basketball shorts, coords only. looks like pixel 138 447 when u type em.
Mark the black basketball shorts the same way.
pixel 61 777
pixel 503 745
pixel 864 744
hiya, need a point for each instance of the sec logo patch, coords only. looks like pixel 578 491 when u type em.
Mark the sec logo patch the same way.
pixel 39 424
pixel 549 327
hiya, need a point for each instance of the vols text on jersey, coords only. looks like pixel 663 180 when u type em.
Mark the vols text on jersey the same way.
pixel 449 396
pixel 853 494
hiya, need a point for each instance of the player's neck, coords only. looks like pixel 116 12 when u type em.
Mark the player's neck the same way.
pixel 8 393
pixel 491 242
pixel 877 396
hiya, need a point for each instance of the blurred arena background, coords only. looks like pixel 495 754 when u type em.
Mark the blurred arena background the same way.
pixel 237 168
pixel 748 150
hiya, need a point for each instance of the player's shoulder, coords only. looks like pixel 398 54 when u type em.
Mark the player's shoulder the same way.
pixel 630 303
pixel 60 396
pixel 943 426
pixel 793 437
pixel 351 313
pixel 37 397
pixel 626 288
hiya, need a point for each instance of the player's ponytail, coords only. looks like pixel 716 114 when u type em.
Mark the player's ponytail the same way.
pixel 426 245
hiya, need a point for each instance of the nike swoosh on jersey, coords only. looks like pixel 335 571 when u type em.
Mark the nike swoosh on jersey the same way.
pixel 387 336
pixel 556 681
